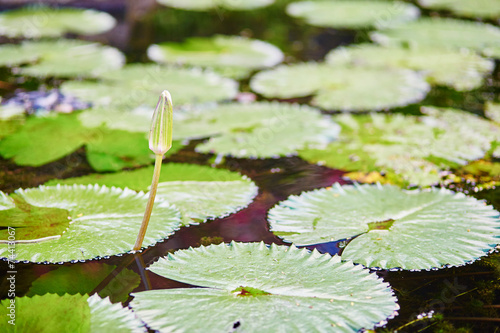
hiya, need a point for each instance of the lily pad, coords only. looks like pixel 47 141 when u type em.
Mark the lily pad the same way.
pixel 260 130
pixel 78 279
pixel 253 287
pixel 408 149
pixel 444 33
pixel 388 227
pixel 43 21
pixel 344 89
pixel 39 142
pixel 353 14
pixel 69 313
pixel 489 9
pixel 231 56
pixel 199 192
pixel 202 5
pixel 96 213
pixel 63 58
pixel 139 84
pixel 461 70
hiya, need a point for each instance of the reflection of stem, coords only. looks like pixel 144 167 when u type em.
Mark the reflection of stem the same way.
pixel 140 265
pixel 151 200
pixel 114 273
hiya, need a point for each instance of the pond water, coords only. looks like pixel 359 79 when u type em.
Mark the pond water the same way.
pixel 463 298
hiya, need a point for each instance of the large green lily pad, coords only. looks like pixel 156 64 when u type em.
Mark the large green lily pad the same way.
pixel 202 5
pixel 489 9
pixel 408 149
pixel 231 56
pixel 390 227
pixel 444 33
pixel 199 192
pixel 63 58
pixel 344 89
pixel 39 142
pixel 83 279
pixel 461 70
pixel 69 313
pixel 44 21
pixel 262 130
pixel 353 14
pixel 96 212
pixel 139 84
pixel 253 287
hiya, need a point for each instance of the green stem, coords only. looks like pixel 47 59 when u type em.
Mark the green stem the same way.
pixel 151 200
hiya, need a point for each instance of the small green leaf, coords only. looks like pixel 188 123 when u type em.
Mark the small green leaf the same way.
pixel 390 227
pixel 231 56
pixel 96 212
pixel 292 291
pixel 353 14
pixel 43 21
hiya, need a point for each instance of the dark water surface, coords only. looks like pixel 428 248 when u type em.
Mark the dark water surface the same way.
pixel 468 297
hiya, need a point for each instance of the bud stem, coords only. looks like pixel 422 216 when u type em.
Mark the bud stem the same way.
pixel 151 201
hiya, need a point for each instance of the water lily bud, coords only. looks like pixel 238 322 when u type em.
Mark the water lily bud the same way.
pixel 160 135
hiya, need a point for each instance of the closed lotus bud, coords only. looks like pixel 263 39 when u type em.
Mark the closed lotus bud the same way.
pixel 160 135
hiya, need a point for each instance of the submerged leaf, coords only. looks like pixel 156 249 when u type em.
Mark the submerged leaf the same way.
pixel 427 229
pixel 232 56
pixel 467 8
pixel 63 58
pixel 44 21
pixel 253 287
pixel 461 70
pixel 353 14
pixel 344 89
pixel 83 279
pixel 202 5
pixel 96 212
pixel 199 192
pixel 408 149
pixel 444 33
pixel 69 313
pixel 138 85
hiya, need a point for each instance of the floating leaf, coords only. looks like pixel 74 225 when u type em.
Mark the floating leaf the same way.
pixel 353 14
pixel 409 149
pixel 199 192
pixel 253 287
pixel 480 174
pixel 468 8
pixel 43 21
pixel 202 5
pixel 345 89
pixel 39 142
pixel 199 201
pixel 96 213
pixel 389 227
pixel 69 313
pixel 461 70
pixel 231 56
pixel 78 279
pixel 66 58
pixel 259 129
pixel 444 33
pixel 137 85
